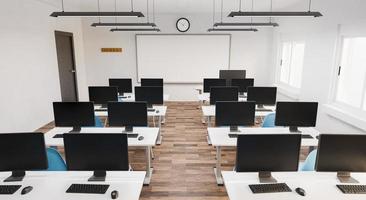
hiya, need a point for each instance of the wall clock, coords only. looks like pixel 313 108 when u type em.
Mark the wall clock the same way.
pixel 183 25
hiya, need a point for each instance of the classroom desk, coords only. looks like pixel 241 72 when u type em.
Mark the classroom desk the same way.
pixel 317 185
pixel 219 138
pixel 210 111
pixel 160 113
pixel 150 137
pixel 53 185
pixel 131 97
pixel 205 97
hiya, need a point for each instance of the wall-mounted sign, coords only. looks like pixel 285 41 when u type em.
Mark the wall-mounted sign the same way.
pixel 111 50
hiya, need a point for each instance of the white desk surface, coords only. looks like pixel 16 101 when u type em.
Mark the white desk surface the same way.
pixel 206 97
pixel 150 135
pixel 219 135
pixel 53 185
pixel 131 97
pixel 210 111
pixel 317 186
pixel 159 111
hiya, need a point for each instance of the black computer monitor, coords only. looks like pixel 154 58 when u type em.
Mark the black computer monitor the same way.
pixel 152 82
pixel 212 82
pixel 234 114
pixel 20 152
pixel 127 114
pixel 296 114
pixel 228 75
pixel 243 84
pixel 265 153
pixel 262 95
pixel 342 153
pixel 103 94
pixel 150 95
pixel 98 152
pixel 223 94
pixel 124 85
pixel 74 114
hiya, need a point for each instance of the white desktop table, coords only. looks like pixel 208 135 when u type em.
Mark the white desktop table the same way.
pixel 53 185
pixel 205 97
pixel 150 136
pixel 317 185
pixel 210 111
pixel 160 113
pixel 219 138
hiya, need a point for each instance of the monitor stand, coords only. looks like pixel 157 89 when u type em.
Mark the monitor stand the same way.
pixel 266 177
pixel 294 129
pixel 16 176
pixel 128 129
pixel 234 129
pixel 241 94
pixel 345 177
pixel 75 129
pixel 150 108
pixel 98 176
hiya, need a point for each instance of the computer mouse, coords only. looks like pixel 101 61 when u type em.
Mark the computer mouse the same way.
pixel 140 138
pixel 114 194
pixel 26 190
pixel 300 191
pixel 157 111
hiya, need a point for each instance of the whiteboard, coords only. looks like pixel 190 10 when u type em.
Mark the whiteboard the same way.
pixel 182 58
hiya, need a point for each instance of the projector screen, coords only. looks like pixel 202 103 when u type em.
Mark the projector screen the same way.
pixel 182 58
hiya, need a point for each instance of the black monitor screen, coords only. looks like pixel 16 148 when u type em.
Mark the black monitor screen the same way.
pixel 73 114
pixel 127 114
pixel 341 153
pixel 157 82
pixel 231 113
pixel 228 75
pixel 103 95
pixel 223 94
pixel 243 84
pixel 151 95
pixel 212 82
pixel 124 84
pixel 262 95
pixel 94 151
pixel 268 153
pixel 296 114
pixel 22 151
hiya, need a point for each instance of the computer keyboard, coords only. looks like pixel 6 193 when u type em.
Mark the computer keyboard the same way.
pixel 58 136
pixel 101 109
pixel 270 188
pixel 233 135
pixel 264 110
pixel 352 189
pixel 88 188
pixel 150 110
pixel 306 136
pixel 132 135
pixel 9 189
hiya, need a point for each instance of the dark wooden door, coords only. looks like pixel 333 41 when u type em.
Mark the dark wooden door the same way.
pixel 66 66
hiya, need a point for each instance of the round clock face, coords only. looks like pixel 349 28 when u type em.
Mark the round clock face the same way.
pixel 183 25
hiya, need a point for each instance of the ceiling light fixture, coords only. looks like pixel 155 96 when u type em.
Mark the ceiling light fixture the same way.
pixel 135 29
pixel 246 24
pixel 308 13
pixel 122 24
pixel 95 14
pixel 232 29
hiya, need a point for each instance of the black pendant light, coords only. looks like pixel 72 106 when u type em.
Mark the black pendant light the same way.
pixel 308 13
pixel 95 14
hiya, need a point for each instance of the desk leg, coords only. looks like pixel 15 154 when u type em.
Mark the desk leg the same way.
pixel 208 140
pixel 149 169
pixel 160 138
pixel 217 169
pixel 208 121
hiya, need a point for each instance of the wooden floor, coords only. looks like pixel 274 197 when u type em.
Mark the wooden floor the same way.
pixel 183 164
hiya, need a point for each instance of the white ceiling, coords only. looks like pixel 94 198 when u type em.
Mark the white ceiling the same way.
pixel 184 6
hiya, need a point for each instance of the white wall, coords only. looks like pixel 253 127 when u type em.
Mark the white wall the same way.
pixel 250 51
pixel 28 63
pixel 320 36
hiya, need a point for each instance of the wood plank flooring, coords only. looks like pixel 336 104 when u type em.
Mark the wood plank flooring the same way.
pixel 183 164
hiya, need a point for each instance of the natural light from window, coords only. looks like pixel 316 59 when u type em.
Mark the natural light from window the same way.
pixel 292 63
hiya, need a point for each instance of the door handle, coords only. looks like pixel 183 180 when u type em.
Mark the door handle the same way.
pixel 73 71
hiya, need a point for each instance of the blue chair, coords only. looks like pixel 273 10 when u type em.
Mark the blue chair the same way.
pixel 309 163
pixel 269 120
pixel 98 122
pixel 55 161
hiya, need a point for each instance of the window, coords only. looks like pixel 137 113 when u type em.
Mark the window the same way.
pixel 291 64
pixel 351 86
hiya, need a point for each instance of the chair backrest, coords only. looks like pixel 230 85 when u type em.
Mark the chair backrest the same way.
pixel 309 163
pixel 55 161
pixel 269 120
pixel 98 122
